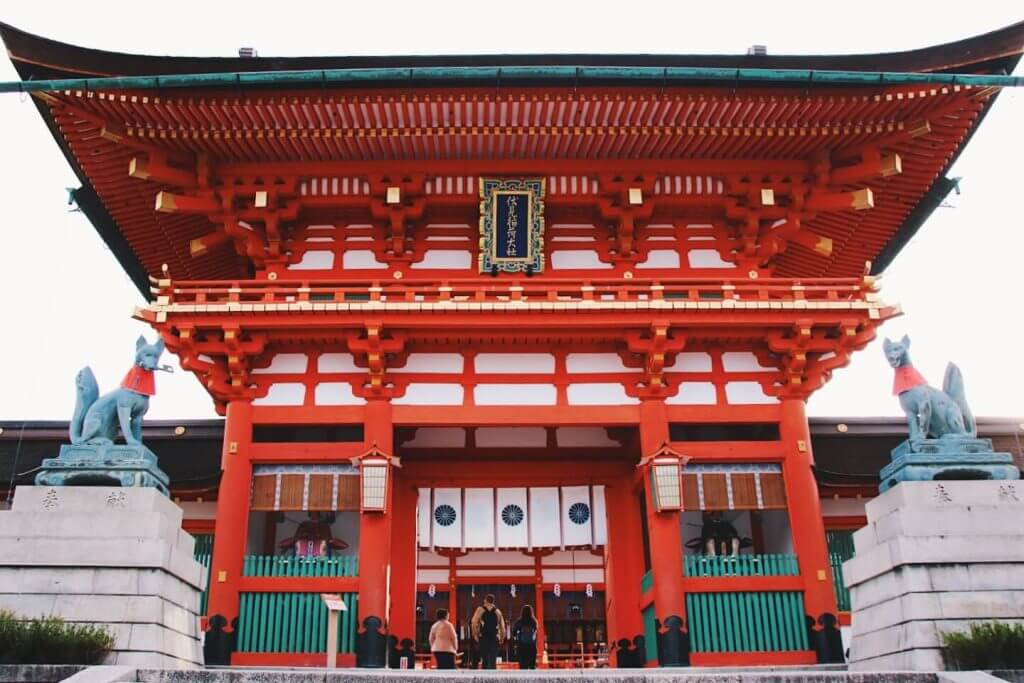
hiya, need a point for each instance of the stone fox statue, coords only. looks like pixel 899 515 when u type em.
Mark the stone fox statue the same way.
pixel 97 418
pixel 930 412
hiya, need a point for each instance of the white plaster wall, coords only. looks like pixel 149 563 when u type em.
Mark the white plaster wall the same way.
pixel 514 363
pixel 707 258
pixel 660 258
pixel 515 394
pixel 570 576
pixel 583 437
pixel 691 361
pixel 356 259
pixel 437 437
pixel 431 363
pixel 577 260
pixel 283 394
pixel 742 361
pixel 511 437
pixel 431 395
pixel 314 260
pixel 337 362
pixel 284 364
pixel 694 394
pixel 596 362
pixel 336 394
pixel 747 393
pixel 444 258
pixel 602 394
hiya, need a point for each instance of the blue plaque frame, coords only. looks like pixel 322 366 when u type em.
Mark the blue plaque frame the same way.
pixel 509 225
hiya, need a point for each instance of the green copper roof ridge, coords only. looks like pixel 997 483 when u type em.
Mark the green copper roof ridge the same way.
pixel 512 74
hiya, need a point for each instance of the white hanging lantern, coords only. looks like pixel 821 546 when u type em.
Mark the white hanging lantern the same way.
pixel 512 590
pixel 590 590
pixel 557 590
pixel 431 590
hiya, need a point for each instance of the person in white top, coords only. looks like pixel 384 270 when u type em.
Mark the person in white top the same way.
pixel 444 642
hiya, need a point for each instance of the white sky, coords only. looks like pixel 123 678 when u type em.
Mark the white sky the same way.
pixel 65 302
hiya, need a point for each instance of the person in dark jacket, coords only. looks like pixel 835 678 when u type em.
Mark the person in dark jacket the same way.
pixel 488 627
pixel 524 635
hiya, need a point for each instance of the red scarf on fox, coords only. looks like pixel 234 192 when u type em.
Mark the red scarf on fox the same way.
pixel 140 380
pixel 907 377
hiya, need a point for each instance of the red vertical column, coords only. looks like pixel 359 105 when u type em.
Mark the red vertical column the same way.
pixel 805 519
pixel 402 622
pixel 538 607
pixel 230 532
pixel 665 542
pixel 375 548
pixel 624 569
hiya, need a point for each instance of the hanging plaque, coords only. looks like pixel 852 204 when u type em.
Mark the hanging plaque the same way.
pixel 511 225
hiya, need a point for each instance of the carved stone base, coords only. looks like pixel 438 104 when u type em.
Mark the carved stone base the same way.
pixel 946 459
pixel 103 465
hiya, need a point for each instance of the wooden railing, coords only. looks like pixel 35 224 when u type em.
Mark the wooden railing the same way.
pixel 740 565
pixel 763 621
pixel 369 294
pixel 272 565
pixel 293 622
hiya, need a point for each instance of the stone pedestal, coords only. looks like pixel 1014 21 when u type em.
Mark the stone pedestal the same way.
pixel 106 555
pixel 948 458
pixel 935 557
pixel 103 465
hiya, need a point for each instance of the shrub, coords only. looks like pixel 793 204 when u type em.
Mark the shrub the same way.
pixel 51 640
pixel 991 645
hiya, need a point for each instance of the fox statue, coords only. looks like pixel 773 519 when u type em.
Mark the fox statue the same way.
pixel 930 413
pixel 97 418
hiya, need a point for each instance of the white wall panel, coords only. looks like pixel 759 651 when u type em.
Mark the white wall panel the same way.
pixel 336 394
pixel 438 577
pixel 337 362
pixel 445 534
pixel 742 361
pixel 694 394
pixel 544 516
pixel 581 437
pixel 747 393
pixel 284 364
pixel 357 259
pixel 430 395
pixel 444 258
pixel 596 362
pixel 431 363
pixel 569 576
pixel 577 516
pixel 600 394
pixel 707 258
pixel 660 258
pixel 577 260
pixel 424 520
pixel 511 437
pixel 283 394
pixel 437 437
pixel 600 517
pixel 478 530
pixel 515 394
pixel 314 260
pixel 515 363
pixel 691 361
pixel 513 518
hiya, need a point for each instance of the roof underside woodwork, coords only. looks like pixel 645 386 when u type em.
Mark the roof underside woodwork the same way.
pixel 540 128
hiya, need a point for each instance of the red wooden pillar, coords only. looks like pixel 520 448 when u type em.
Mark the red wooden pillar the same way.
pixel 538 607
pixel 375 548
pixel 230 532
pixel 624 569
pixel 805 518
pixel 402 623
pixel 666 543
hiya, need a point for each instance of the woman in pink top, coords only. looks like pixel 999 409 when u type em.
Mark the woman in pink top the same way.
pixel 444 643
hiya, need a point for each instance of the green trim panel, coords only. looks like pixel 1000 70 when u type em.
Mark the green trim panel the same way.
pixel 741 565
pixel 747 621
pixel 273 565
pixel 650 74
pixel 650 634
pixel 293 622
pixel 646 582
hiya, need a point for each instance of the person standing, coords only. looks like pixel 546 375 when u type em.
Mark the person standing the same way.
pixel 524 635
pixel 489 631
pixel 444 642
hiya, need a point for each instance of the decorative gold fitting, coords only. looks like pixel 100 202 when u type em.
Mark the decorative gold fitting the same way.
pixel 636 196
pixel 394 195
pixel 261 200
pixel 767 196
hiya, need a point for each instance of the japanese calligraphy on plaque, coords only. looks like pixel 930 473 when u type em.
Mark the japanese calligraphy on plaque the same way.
pixel 511 225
